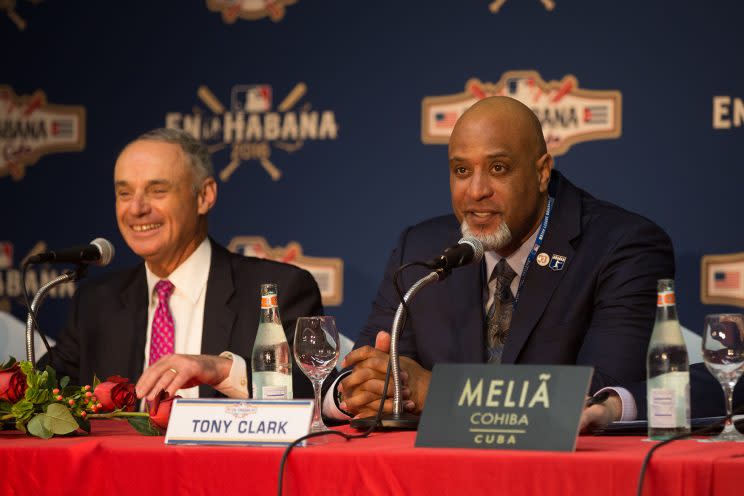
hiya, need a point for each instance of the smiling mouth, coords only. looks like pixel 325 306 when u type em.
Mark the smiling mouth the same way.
pixel 146 227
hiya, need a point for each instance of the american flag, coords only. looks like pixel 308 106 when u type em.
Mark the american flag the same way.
pixel 445 119
pixel 727 279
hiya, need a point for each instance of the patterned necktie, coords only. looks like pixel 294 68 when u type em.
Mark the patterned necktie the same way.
pixel 500 312
pixel 163 330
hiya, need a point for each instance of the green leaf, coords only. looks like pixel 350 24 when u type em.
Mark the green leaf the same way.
pixel 38 396
pixel 64 382
pixel 38 428
pixel 59 420
pixel 5 406
pixel 96 381
pixel 27 368
pixel 22 410
pixel 143 426
pixel 9 363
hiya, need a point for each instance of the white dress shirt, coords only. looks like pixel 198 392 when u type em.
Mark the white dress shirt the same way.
pixel 187 308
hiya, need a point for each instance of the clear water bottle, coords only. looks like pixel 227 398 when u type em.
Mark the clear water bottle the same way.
pixel 271 364
pixel 667 367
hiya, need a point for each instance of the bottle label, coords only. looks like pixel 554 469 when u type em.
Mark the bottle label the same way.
pixel 669 400
pixel 665 299
pixel 268 301
pixel 274 393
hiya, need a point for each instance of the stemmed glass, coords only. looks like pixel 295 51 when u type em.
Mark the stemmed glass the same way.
pixel 723 354
pixel 316 347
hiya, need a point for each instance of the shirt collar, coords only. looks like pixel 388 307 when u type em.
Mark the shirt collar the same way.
pixel 189 278
pixel 516 260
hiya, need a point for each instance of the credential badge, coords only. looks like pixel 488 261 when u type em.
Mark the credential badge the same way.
pixel 557 262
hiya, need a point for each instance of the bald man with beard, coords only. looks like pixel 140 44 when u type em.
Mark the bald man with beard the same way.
pixel 580 273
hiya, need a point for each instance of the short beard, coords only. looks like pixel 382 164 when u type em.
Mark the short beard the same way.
pixel 492 241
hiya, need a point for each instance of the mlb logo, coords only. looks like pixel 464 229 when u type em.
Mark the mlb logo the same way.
pixel 557 262
pixel 6 255
pixel 251 98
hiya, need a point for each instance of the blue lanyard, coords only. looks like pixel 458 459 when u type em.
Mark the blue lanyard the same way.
pixel 535 249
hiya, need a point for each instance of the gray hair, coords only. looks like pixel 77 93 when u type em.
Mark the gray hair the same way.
pixel 195 151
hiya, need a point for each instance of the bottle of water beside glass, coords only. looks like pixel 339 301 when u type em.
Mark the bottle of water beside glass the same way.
pixel 667 366
pixel 271 363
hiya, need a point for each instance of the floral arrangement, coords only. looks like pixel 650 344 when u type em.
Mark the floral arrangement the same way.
pixel 40 405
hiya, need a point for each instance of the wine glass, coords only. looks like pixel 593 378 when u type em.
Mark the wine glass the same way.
pixel 316 347
pixel 723 354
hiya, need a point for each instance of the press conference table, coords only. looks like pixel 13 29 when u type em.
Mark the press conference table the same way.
pixel 116 460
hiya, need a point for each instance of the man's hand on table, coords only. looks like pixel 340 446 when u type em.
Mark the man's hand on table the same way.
pixel 600 415
pixel 362 389
pixel 174 372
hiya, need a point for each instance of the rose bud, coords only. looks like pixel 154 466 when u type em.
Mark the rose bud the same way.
pixel 12 383
pixel 71 402
pixel 59 397
pixel 160 409
pixel 55 391
pixel 87 387
pixel 116 393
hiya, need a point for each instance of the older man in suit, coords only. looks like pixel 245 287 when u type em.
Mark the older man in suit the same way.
pixel 190 300
pixel 566 279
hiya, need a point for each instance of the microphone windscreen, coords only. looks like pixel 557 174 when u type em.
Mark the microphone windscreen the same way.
pixel 106 249
pixel 477 247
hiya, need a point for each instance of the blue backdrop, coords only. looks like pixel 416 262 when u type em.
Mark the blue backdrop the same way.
pixel 356 171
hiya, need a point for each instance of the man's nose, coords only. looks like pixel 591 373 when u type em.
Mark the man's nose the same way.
pixel 480 186
pixel 139 204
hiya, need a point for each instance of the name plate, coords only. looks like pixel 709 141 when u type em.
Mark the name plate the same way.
pixel 523 407
pixel 240 422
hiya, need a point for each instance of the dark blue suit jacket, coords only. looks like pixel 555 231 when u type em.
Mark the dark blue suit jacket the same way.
pixel 598 310
pixel 106 330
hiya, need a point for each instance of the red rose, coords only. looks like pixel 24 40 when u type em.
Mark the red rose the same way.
pixel 160 409
pixel 116 393
pixel 12 383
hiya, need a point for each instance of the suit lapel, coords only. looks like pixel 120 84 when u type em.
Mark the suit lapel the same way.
pixel 134 301
pixel 541 282
pixel 219 317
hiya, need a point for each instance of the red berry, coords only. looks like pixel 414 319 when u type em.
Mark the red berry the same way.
pixel 59 397
pixel 55 391
pixel 71 402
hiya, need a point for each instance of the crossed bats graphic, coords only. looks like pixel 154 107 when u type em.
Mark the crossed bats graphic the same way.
pixel 214 104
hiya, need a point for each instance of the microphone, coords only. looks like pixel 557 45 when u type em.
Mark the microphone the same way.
pixel 99 252
pixel 468 250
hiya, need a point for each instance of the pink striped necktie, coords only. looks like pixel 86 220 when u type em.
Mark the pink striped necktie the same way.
pixel 163 331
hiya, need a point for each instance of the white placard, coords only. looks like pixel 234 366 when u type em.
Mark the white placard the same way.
pixel 239 422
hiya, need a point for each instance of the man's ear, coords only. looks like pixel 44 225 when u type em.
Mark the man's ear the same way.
pixel 207 195
pixel 544 166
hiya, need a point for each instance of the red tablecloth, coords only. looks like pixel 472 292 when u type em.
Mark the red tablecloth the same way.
pixel 116 460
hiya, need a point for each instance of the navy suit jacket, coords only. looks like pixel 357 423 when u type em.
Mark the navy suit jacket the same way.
pixel 106 330
pixel 598 310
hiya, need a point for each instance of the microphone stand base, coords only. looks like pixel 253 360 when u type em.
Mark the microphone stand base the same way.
pixel 389 422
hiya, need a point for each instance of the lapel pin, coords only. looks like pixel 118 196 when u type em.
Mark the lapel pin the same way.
pixel 543 259
pixel 557 262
